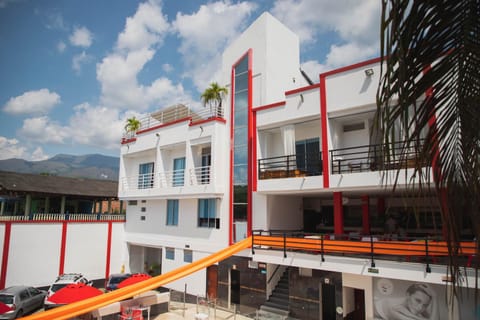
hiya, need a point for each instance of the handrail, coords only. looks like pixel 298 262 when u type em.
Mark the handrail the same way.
pixel 274 272
pixel 64 217
pixel 371 246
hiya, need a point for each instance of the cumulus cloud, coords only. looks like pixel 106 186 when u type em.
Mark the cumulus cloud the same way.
pixel 81 37
pixel 136 46
pixel 44 130
pixel 208 45
pixel 353 24
pixel 80 59
pixel 145 29
pixel 10 148
pixel 38 154
pixel 32 102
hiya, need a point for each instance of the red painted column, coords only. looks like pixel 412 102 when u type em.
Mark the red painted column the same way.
pixel 365 214
pixel 109 250
pixel 323 123
pixel 6 249
pixel 337 213
pixel 63 248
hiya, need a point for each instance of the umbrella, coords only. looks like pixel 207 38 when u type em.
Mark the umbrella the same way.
pixel 134 278
pixel 4 308
pixel 74 292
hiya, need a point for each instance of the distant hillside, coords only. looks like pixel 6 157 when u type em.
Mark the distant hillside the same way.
pixel 93 166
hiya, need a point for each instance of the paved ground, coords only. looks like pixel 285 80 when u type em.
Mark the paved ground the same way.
pixel 203 314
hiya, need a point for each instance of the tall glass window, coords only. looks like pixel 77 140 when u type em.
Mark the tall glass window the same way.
pixel 178 172
pixel 207 213
pixel 240 149
pixel 172 212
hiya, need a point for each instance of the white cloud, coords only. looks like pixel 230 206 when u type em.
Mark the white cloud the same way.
pixel 9 148
pixel 38 155
pixel 43 130
pixel 81 37
pixel 79 59
pixel 205 34
pixel 167 67
pixel 313 69
pixel 136 47
pixel 61 46
pixel 32 102
pixel 145 29
pixel 96 126
pixel 351 23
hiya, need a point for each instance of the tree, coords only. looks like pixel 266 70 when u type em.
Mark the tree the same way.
pixel 132 125
pixel 431 83
pixel 213 96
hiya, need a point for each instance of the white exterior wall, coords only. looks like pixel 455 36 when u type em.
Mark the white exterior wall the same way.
pixel 283 213
pixel 34 252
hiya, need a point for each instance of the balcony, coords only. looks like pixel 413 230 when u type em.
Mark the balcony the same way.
pixel 301 165
pixel 167 179
pixel 420 250
pixel 369 158
pixel 173 114
pixel 77 217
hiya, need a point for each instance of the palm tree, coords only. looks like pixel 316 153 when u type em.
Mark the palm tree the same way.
pixel 430 84
pixel 132 125
pixel 213 96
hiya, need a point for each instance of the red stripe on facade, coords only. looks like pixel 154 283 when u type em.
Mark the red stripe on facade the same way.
pixel 254 153
pixel 352 67
pixel 199 122
pixel 232 97
pixel 164 125
pixel 109 250
pixel 269 106
pixel 251 135
pixel 303 89
pixel 63 246
pixel 5 253
pixel 323 126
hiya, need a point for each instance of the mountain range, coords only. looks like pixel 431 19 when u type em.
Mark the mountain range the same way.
pixel 92 166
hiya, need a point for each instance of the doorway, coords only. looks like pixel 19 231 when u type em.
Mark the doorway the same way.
pixel 212 282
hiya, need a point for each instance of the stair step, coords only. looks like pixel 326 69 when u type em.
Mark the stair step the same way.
pixel 274 309
pixel 273 305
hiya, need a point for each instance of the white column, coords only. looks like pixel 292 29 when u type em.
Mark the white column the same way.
pixel 28 204
pixel 62 205
pixel 47 204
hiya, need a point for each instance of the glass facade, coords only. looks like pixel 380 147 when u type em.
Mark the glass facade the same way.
pixel 240 148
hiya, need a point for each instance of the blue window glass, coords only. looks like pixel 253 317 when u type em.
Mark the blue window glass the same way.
pixel 172 212
pixel 170 253
pixel 241 81
pixel 187 255
pixel 240 137
pixel 145 175
pixel 308 156
pixel 178 172
pixel 207 213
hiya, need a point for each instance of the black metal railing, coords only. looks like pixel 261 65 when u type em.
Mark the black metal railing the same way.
pixel 373 157
pixel 299 165
pixel 427 250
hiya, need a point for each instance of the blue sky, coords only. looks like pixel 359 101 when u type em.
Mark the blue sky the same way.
pixel 72 71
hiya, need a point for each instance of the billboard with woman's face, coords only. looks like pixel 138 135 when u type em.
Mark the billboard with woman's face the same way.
pixel 406 300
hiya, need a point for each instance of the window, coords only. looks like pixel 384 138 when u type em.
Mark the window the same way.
pixel 207 213
pixel 170 253
pixel 187 255
pixel 172 212
pixel 132 202
pixel 145 175
pixel 178 172
pixel 308 156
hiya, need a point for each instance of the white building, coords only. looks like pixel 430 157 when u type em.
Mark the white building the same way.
pixel 288 161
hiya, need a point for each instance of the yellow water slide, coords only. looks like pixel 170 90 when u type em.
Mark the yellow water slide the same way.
pixel 87 305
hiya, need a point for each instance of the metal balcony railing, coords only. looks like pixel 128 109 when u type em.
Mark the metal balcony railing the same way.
pixel 425 250
pixel 370 158
pixel 165 179
pixel 301 165
pixel 64 216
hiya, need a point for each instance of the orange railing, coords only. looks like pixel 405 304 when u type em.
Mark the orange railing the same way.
pixel 429 251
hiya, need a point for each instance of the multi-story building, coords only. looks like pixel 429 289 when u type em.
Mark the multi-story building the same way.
pixel 296 164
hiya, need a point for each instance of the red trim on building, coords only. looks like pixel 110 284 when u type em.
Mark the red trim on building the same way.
pixel 351 67
pixel 199 122
pixel 338 213
pixel 251 144
pixel 254 153
pixel 270 106
pixel 303 89
pixel 109 250
pixel 63 246
pixel 164 125
pixel 323 126
pixel 365 214
pixel 5 253
pixel 125 141
pixel 230 224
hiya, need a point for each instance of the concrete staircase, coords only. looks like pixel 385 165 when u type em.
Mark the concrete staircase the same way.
pixel 277 305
